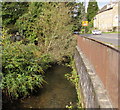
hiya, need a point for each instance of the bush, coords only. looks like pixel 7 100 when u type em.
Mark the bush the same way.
pixel 22 68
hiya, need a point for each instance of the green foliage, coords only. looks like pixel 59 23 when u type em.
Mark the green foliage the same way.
pixel 51 27
pixel 55 24
pixel 11 11
pixel 92 9
pixel 90 27
pixel 26 23
pixel 70 106
pixel 22 68
pixel 80 14
pixel 0 15
pixel 24 65
pixel 74 78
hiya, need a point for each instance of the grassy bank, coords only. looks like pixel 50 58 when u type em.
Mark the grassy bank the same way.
pixel 74 78
pixel 110 32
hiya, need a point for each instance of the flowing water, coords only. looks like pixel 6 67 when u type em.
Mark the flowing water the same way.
pixel 57 93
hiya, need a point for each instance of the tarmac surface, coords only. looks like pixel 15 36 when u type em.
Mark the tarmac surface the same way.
pixel 112 39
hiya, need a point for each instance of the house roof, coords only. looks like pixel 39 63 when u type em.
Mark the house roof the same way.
pixel 103 9
pixel 107 7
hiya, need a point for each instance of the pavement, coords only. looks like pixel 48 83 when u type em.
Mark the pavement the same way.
pixel 112 39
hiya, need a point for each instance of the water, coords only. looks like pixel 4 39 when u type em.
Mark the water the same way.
pixel 57 93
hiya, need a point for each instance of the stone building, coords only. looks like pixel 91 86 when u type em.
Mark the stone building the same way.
pixel 108 18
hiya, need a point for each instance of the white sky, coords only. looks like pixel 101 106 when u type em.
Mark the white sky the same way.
pixel 101 3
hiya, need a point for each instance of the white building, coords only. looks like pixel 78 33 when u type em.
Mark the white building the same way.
pixel 108 18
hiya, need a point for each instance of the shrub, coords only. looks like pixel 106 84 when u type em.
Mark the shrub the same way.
pixel 22 68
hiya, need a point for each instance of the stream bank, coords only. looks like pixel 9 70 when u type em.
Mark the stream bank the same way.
pixel 58 92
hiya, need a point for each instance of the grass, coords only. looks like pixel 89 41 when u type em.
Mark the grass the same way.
pixel 74 78
pixel 102 32
pixel 110 32
pixel 118 47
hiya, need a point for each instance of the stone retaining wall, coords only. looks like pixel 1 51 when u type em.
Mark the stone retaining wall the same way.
pixel 94 94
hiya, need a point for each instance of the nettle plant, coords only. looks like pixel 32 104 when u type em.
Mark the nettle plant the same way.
pixel 22 68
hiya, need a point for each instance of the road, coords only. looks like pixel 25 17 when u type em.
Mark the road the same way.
pixel 112 39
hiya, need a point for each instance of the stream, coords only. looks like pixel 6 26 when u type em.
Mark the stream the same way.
pixel 56 93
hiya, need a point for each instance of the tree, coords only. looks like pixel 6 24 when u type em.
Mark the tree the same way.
pixel 26 23
pixel 81 14
pixel 51 26
pixel 11 11
pixel 78 13
pixel 55 24
pixel 92 9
